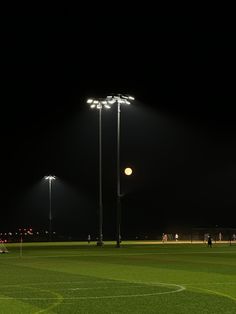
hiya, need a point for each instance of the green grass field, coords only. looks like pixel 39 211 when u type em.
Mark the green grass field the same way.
pixel 136 278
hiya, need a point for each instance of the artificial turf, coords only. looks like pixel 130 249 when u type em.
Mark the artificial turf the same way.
pixel 136 278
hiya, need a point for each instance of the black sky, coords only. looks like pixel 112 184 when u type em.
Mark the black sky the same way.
pixel 179 136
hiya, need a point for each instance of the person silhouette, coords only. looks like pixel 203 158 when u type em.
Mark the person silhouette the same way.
pixel 209 241
pixel 89 238
pixel 220 236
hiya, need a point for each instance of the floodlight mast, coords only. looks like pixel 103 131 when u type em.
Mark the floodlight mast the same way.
pixel 100 104
pixel 50 178
pixel 120 100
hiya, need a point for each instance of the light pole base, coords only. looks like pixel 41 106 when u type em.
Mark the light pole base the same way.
pixel 100 243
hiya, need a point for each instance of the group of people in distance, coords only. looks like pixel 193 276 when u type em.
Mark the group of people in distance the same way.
pixel 220 238
pixel 207 238
pixel 165 237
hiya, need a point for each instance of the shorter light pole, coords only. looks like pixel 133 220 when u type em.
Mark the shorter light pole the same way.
pixel 99 104
pixel 50 178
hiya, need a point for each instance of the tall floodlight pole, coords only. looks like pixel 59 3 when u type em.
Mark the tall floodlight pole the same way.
pixel 50 179
pixel 100 104
pixel 120 100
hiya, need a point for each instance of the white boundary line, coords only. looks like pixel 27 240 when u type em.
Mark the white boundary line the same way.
pixel 122 254
pixel 209 283
pixel 179 289
pixel 28 285
pixel 103 287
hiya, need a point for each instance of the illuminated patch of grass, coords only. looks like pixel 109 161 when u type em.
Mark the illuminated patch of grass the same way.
pixel 137 278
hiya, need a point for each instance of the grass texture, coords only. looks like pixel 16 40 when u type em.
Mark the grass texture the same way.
pixel 136 278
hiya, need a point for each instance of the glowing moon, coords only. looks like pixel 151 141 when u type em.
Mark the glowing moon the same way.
pixel 128 171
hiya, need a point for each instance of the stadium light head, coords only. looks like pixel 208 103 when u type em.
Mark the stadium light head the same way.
pixel 111 102
pixel 50 178
pixel 99 103
pixel 121 99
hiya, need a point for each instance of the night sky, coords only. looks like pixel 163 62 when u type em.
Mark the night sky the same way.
pixel 179 135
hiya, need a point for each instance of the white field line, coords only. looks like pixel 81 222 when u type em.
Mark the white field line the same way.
pixel 209 291
pixel 55 283
pixel 180 288
pixel 58 300
pixel 116 282
pixel 209 283
pixel 92 288
pixel 105 287
pixel 122 254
